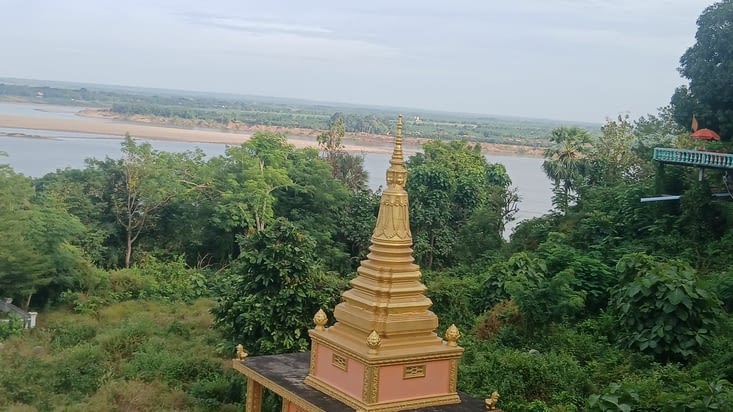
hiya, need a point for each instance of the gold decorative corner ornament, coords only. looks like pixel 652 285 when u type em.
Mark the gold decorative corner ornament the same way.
pixel 492 401
pixel 452 334
pixel 241 354
pixel 373 342
pixel 320 319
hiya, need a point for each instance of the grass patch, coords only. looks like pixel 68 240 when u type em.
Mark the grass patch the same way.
pixel 128 356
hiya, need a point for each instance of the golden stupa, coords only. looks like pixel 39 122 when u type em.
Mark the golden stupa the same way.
pixel 383 354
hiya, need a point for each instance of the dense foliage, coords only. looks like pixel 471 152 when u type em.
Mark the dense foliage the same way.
pixel 605 304
pixel 275 278
pixel 457 197
pixel 568 315
pixel 708 65
pixel 662 308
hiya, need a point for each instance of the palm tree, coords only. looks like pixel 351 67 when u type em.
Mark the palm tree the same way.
pixel 349 169
pixel 565 163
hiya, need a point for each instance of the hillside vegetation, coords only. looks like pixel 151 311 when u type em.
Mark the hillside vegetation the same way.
pixel 150 268
pixel 128 356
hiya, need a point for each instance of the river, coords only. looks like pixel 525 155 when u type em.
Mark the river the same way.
pixel 37 152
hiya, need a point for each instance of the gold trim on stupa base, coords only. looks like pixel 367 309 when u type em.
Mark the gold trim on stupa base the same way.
pixel 383 323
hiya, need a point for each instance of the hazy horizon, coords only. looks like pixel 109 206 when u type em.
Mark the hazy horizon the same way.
pixel 61 84
pixel 569 60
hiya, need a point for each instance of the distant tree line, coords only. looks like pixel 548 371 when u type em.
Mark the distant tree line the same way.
pixel 196 110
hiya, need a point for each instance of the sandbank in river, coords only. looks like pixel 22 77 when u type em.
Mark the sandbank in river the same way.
pixel 300 138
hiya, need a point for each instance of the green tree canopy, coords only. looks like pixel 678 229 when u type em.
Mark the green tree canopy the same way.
pixel 274 289
pixel 148 180
pixel 458 201
pixel 613 159
pixel 247 178
pixel 566 163
pixel 708 65
pixel 23 268
pixel 345 166
pixel 36 240
pixel 86 194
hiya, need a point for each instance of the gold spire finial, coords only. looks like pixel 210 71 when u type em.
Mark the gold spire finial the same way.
pixel 396 173
pixel 397 157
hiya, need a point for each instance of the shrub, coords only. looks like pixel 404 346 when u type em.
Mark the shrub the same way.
pixel 717 361
pixel 722 285
pixel 502 314
pixel 122 342
pixel 540 297
pixel 68 334
pixel 519 266
pixel 135 395
pixel 128 284
pixel 11 326
pixel 179 328
pixel 172 280
pixel 521 377
pixel 28 382
pixel 19 407
pixel 657 388
pixel 228 388
pixel 615 398
pixel 661 307
pixel 77 372
pixel 531 232
pixel 453 298
pixel 589 275
pixel 78 364
pixel 545 300
pixel 83 303
pixel 593 351
pixel 174 368
pixel 701 395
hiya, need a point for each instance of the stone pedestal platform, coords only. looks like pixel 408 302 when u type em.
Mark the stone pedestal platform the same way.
pixel 285 375
pixel 398 379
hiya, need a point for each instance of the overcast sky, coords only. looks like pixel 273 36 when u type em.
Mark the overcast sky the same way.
pixel 557 59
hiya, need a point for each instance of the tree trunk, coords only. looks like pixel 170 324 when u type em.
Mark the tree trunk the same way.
pixel 259 225
pixel 566 200
pixel 128 253
pixel 27 302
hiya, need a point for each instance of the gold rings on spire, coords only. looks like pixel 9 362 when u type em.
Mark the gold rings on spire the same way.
pixel 397 174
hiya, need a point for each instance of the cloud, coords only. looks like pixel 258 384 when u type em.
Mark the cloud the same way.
pixel 253 26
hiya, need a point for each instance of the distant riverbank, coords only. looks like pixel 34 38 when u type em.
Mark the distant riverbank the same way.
pixel 101 122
